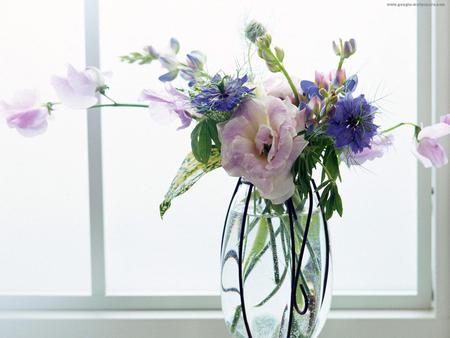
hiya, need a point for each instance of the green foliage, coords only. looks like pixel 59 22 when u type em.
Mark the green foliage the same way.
pixel 137 57
pixel 188 174
pixel 320 154
pixel 201 142
pixel 202 138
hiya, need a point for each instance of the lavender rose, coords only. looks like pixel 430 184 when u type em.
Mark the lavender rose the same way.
pixel 261 143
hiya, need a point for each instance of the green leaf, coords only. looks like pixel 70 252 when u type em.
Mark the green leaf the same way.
pixel 338 202
pixel 189 173
pixel 331 162
pixel 201 142
pixel 213 133
pixel 259 242
pixel 236 317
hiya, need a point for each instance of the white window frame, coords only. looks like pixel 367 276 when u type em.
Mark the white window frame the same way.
pixel 422 315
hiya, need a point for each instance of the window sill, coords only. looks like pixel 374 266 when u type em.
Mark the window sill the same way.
pixel 206 324
pixel 199 315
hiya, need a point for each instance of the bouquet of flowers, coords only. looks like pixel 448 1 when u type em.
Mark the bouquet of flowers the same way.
pixel 277 134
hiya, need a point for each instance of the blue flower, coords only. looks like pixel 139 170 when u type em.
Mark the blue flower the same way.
pixel 352 123
pixel 221 94
pixel 310 89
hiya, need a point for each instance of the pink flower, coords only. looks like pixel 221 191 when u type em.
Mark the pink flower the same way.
pixel 321 80
pixel 260 143
pixel 378 147
pixel 335 77
pixel 25 113
pixel 279 87
pixel 79 89
pixel 164 106
pixel 428 150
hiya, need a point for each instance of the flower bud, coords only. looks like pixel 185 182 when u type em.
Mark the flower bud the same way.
pixel 336 48
pixel 345 49
pixel 151 51
pixel 254 30
pixel 196 60
pixel 348 49
pixel 174 45
pixel 279 53
pixel 264 41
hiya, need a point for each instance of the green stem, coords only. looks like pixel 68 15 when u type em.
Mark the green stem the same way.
pixel 326 170
pixel 110 99
pixel 273 246
pixel 287 76
pixel 399 125
pixel 341 62
pixel 119 105
pixel 249 60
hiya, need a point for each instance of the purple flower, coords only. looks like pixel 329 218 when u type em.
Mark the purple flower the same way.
pixel 377 148
pixel 222 94
pixel 428 150
pixel 79 89
pixel 352 123
pixel 260 143
pixel 163 106
pixel 25 113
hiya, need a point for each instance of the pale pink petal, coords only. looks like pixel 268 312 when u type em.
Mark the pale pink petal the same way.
pixel 445 119
pixel 435 131
pixel 257 123
pixel 431 153
pixel 69 96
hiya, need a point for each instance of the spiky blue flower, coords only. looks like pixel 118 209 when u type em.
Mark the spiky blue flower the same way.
pixel 222 94
pixel 352 123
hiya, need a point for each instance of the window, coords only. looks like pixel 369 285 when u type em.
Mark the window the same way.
pixel 91 237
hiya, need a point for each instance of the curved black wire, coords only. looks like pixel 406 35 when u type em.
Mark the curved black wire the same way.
pixel 327 244
pixel 302 253
pixel 240 265
pixel 293 258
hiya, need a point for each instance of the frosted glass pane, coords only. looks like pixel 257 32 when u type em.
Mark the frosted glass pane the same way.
pixel 180 254
pixel 44 228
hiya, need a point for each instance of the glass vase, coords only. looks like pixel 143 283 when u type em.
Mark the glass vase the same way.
pixel 275 266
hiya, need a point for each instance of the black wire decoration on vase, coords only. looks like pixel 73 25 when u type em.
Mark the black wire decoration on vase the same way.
pixel 276 263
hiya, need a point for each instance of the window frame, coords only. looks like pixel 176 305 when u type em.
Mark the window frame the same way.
pixel 421 313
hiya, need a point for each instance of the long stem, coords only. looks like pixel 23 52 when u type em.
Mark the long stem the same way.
pixel 119 105
pixel 287 76
pixel 399 125
pixel 273 245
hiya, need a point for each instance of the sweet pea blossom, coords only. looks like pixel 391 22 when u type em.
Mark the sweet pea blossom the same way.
pixel 164 106
pixel 79 89
pixel 377 148
pixel 428 150
pixel 261 143
pixel 25 113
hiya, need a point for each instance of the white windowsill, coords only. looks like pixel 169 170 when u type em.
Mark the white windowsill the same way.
pixel 199 315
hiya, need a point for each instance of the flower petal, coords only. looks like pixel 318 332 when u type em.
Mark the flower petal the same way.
pixel 435 131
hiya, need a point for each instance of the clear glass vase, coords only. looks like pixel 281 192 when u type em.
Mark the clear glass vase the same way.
pixel 276 266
